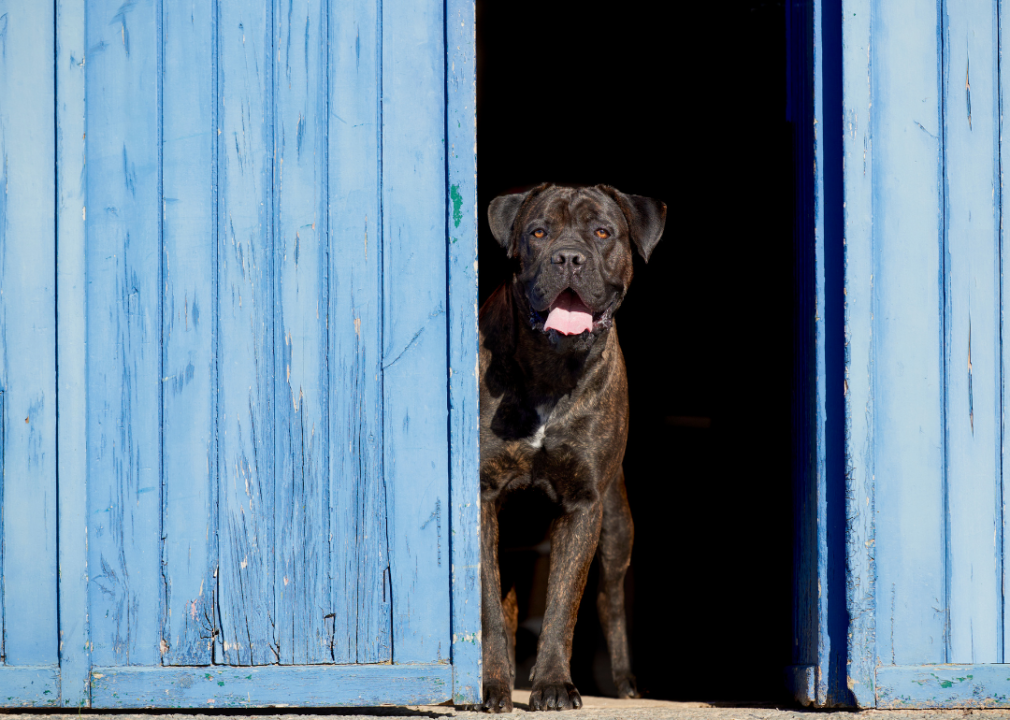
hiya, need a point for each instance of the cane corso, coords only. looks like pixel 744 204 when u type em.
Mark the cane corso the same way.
pixel 554 419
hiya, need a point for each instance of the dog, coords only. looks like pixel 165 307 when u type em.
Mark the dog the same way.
pixel 554 419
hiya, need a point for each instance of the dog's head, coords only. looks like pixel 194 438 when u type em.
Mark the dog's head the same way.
pixel 575 253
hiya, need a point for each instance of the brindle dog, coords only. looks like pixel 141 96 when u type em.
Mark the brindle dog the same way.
pixel 554 418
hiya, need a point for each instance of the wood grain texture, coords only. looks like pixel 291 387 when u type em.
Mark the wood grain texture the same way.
pixel 908 395
pixel 302 571
pixel 124 332
pixel 859 371
pixel 22 687
pixel 28 334
pixel 464 411
pixel 415 432
pixel 358 534
pixel 972 331
pixel 71 324
pixel 301 576
pixel 220 687
pixel 943 686
pixel 246 351
pixel 1002 539
pixel 189 364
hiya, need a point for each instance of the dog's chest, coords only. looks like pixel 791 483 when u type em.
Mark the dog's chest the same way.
pixel 544 416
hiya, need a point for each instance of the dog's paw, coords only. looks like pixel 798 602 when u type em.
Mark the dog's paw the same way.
pixel 555 696
pixel 626 687
pixel 497 697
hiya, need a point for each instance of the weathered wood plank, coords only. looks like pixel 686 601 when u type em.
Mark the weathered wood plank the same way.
pixel 909 439
pixel 1003 538
pixel 246 334
pixel 828 374
pixel 972 330
pixel 360 558
pixel 71 324
pixel 189 358
pixel 943 686
pixel 301 575
pixel 305 686
pixel 28 333
pixel 859 371
pixel 29 687
pixel 415 457
pixel 464 413
pixel 124 332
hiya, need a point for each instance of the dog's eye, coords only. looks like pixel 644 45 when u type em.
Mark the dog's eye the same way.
pixel 602 234
pixel 538 233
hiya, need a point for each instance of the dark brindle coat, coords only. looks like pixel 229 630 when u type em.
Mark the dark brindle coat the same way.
pixel 554 418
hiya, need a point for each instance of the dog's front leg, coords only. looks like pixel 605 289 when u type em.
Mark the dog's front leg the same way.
pixel 573 544
pixel 497 676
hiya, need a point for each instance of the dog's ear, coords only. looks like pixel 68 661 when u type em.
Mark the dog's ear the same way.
pixel 646 218
pixel 501 214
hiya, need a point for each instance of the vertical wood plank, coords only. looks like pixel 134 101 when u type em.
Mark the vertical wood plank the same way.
pixel 301 576
pixel 807 630
pixel 464 412
pixel 859 314
pixel 71 187
pixel 28 333
pixel 246 340
pixel 909 440
pixel 190 462
pixel 825 370
pixel 1003 541
pixel 972 332
pixel 414 336
pixel 124 332
pixel 358 537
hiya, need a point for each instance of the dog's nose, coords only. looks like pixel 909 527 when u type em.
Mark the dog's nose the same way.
pixel 568 256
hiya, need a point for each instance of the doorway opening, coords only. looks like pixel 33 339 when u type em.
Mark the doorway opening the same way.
pixel 684 103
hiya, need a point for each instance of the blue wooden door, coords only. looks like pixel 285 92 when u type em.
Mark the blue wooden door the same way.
pixel 907 477
pixel 234 292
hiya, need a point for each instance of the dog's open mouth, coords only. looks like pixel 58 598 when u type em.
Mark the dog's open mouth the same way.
pixel 569 315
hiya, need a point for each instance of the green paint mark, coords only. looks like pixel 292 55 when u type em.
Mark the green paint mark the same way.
pixel 457 204
pixel 221 683
pixel 945 684
pixel 453 240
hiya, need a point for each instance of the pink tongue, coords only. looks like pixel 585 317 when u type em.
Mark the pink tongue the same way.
pixel 569 315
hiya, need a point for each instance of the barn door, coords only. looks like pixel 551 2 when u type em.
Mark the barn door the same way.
pixel 253 260
pixel 908 477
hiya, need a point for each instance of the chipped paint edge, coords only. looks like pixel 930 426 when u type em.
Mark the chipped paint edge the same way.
pixel 277 686
pixel 461 259
pixel 943 686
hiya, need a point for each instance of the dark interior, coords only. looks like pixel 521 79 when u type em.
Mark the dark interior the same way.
pixel 684 102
